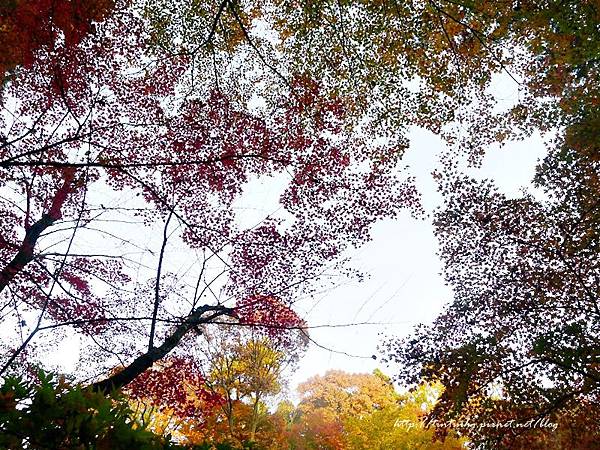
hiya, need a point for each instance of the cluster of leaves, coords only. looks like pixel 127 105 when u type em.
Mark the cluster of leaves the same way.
pixel 176 385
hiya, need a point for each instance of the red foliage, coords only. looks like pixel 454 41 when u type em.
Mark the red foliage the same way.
pixel 31 25
pixel 178 385
pixel 268 312
pixel 102 118
pixel 276 320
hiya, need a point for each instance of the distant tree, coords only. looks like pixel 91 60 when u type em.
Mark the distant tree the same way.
pixel 361 412
pixel 245 370
pixel 400 426
pixel 339 394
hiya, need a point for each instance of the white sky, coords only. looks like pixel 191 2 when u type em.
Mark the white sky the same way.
pixel 405 286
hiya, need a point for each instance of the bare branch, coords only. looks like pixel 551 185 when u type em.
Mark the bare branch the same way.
pixel 157 284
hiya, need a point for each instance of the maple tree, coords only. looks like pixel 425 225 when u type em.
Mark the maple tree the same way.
pixel 105 131
pixel 170 394
pixel 524 275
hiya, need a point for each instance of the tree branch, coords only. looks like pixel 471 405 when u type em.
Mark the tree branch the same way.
pixel 146 360
pixel 25 254
pixel 157 285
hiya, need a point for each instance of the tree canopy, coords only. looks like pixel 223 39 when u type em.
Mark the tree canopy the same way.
pixel 362 411
pixel 108 131
pixel 518 340
pixel 130 130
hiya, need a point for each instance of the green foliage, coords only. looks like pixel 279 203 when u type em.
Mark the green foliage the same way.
pixel 51 414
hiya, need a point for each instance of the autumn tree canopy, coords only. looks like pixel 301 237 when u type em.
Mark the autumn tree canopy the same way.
pixel 424 63
pixel 110 135
pixel 129 130
pixel 361 411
